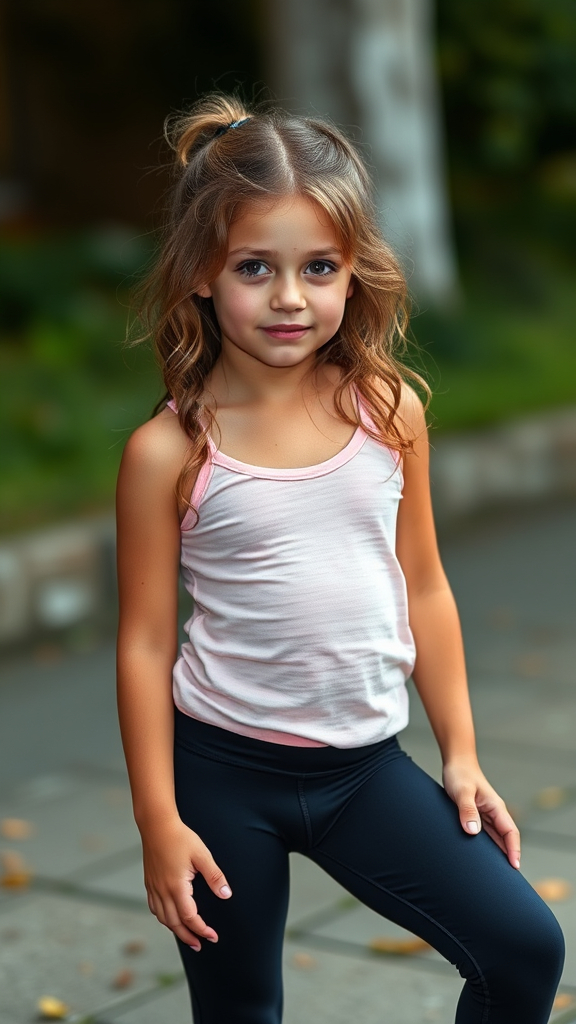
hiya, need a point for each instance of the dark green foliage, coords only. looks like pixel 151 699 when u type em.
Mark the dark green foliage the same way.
pixel 508 76
pixel 69 390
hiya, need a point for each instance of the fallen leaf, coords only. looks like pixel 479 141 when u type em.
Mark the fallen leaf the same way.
pixel 124 978
pixel 531 665
pixel 16 828
pixel 304 961
pixel 51 1008
pixel 15 873
pixel 551 797
pixel 553 890
pixel 48 654
pixel 167 979
pixel 562 1001
pixel 398 947
pixel 134 946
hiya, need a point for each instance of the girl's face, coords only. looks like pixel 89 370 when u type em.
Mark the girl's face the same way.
pixel 283 289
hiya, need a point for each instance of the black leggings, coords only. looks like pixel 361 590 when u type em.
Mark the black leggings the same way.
pixel 386 832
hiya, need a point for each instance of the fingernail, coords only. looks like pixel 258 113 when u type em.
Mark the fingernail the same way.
pixel 225 890
pixel 472 826
pixel 195 948
pixel 207 937
pixel 517 863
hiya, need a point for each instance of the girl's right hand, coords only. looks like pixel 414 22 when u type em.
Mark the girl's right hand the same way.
pixel 173 856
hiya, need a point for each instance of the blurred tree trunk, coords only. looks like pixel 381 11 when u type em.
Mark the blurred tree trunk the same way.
pixel 370 63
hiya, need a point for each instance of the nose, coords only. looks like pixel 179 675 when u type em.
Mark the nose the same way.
pixel 288 293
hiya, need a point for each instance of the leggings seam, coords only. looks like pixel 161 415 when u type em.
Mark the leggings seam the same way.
pixel 422 913
pixel 305 811
pixel 377 768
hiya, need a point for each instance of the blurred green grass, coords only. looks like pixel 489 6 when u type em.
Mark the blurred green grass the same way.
pixel 494 360
pixel 71 391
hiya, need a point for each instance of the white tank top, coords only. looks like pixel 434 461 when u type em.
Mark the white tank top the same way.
pixel 300 631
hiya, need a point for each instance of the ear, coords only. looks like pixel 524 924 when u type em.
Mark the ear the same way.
pixel 205 292
pixel 350 291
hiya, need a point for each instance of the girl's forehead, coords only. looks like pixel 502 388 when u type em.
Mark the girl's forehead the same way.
pixel 287 218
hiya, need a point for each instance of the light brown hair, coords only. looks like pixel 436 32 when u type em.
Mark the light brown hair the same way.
pixel 273 154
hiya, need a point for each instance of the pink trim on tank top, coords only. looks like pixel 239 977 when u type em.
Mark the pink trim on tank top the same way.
pixel 292 473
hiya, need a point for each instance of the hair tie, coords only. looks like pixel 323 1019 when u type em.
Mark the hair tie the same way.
pixel 233 124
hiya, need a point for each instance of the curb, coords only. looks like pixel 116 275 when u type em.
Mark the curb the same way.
pixel 55 579
pixel 58 579
pixel 529 459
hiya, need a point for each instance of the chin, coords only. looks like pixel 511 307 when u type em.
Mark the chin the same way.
pixel 287 359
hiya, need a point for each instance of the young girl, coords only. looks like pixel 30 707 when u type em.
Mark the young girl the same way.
pixel 287 478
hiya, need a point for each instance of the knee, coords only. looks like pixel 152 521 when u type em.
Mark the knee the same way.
pixel 535 952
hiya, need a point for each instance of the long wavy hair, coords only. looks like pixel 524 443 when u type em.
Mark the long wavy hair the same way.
pixel 220 171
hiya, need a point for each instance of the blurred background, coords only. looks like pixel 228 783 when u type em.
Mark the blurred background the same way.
pixel 466 113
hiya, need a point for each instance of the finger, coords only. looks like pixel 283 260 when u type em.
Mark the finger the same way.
pixel 187 911
pixel 469 815
pixel 506 828
pixel 214 877
pixel 173 921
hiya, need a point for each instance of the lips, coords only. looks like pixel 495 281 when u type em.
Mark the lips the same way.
pixel 293 331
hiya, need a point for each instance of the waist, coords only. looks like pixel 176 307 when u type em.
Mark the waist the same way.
pixel 261 755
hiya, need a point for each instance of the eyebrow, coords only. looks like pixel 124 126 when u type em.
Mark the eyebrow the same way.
pixel 271 253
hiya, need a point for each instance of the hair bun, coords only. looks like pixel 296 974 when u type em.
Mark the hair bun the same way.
pixel 209 118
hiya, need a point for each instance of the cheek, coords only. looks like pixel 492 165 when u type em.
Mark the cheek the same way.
pixel 235 306
pixel 330 304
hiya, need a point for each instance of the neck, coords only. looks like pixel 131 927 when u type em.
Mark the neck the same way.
pixel 239 378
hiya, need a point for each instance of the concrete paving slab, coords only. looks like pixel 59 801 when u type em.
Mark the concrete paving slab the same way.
pixel 170 1005
pixel 74 949
pixel 311 890
pixel 76 824
pixel 327 988
pixel 359 925
pixel 516 712
pixel 546 725
pixel 58 709
pixel 126 882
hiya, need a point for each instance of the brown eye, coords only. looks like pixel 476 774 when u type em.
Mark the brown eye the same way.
pixel 320 268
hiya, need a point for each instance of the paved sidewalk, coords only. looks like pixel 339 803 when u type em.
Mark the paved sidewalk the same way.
pixel 82 932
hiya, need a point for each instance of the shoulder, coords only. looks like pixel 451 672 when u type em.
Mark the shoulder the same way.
pixel 158 445
pixel 154 456
pixel 410 414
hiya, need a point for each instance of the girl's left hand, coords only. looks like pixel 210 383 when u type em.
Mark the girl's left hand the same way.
pixel 480 806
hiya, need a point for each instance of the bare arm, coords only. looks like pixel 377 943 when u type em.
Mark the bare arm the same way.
pixel 148 560
pixel 440 671
pixel 148 549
